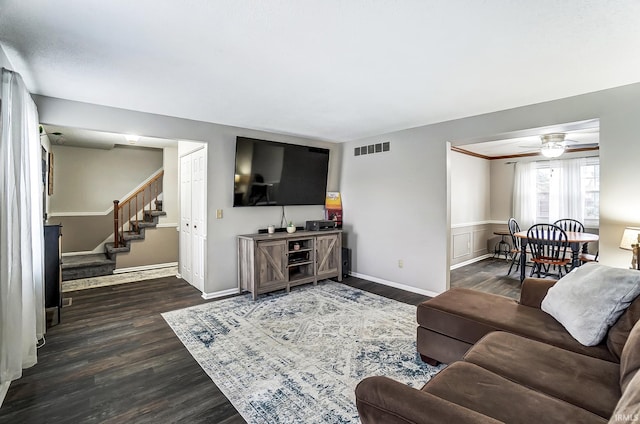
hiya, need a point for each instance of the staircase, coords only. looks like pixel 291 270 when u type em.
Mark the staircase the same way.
pixel 130 223
pixel 136 232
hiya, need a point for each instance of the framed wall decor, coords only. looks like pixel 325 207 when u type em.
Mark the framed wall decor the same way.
pixel 50 176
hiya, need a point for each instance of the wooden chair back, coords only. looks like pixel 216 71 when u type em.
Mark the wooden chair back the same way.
pixel 569 224
pixel 549 244
pixel 514 228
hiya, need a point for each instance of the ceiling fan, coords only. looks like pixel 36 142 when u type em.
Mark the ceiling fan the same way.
pixel 554 145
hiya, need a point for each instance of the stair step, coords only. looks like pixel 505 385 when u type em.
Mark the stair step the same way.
pixel 85 266
pixel 144 224
pixel 112 251
pixel 79 261
pixel 155 213
pixel 132 235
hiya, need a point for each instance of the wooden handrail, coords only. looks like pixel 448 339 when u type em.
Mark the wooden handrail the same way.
pixel 119 217
pixel 144 187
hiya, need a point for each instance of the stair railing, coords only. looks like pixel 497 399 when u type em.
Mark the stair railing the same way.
pixel 133 207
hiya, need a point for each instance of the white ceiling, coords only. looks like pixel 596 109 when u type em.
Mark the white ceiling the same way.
pixel 333 70
pixel 78 137
pixel 578 135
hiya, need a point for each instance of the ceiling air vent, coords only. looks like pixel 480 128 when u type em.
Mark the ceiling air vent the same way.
pixel 371 149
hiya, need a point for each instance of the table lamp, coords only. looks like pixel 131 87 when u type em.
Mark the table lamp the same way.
pixel 630 241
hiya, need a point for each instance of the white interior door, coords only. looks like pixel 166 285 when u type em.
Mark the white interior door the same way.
pixel 185 219
pixel 193 217
pixel 198 216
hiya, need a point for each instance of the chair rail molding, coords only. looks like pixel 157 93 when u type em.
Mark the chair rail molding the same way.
pixel 471 224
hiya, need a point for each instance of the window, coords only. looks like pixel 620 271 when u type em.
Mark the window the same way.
pixel 557 197
pixel 590 177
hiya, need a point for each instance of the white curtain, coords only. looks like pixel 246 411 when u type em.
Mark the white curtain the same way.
pixel 22 315
pixel 524 194
pixel 566 196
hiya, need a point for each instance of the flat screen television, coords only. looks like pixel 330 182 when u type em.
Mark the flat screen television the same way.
pixel 269 173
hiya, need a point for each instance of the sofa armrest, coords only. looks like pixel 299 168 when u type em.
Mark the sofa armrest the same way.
pixel 534 290
pixel 381 400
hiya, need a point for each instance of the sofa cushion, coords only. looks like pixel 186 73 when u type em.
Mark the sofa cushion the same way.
pixel 467 315
pixel 475 388
pixel 628 408
pixel 590 383
pixel 381 400
pixel 619 332
pixel 630 358
pixel 591 298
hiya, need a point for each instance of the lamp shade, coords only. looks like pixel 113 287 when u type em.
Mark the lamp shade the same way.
pixel 629 237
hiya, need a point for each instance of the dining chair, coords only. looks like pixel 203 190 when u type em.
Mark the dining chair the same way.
pixel 548 244
pixel 516 248
pixel 569 224
pixel 588 257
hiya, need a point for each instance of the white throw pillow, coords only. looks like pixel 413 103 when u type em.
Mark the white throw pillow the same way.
pixel 590 299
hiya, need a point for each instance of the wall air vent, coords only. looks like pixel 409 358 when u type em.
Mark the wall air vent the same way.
pixel 371 149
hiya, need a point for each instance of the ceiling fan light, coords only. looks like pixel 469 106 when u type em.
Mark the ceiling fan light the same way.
pixel 551 150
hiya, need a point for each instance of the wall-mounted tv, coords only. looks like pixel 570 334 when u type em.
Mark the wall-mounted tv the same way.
pixel 269 173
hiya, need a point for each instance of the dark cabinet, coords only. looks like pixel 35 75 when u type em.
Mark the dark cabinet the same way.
pixel 52 270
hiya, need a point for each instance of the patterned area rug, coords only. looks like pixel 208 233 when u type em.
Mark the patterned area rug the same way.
pixel 297 357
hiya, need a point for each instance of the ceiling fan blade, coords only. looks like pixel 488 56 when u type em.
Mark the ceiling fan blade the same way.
pixel 583 146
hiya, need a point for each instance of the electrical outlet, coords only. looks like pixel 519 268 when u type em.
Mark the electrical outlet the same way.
pixel 400 263
pixel 218 213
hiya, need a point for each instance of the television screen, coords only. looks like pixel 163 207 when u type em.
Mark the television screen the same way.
pixel 268 173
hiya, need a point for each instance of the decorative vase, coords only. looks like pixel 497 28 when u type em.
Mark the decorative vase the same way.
pixel 291 229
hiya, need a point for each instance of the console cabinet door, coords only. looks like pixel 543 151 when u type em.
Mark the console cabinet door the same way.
pixel 329 251
pixel 271 263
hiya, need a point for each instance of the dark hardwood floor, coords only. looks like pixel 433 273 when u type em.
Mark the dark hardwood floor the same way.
pixel 113 359
pixel 488 275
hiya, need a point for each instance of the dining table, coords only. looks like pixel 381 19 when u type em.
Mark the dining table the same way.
pixel 575 240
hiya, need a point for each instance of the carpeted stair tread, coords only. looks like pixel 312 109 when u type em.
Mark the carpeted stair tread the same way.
pixel 85 266
pixel 145 224
pixel 155 213
pixel 132 235
pixel 78 261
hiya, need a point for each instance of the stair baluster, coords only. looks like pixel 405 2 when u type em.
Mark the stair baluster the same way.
pixel 122 222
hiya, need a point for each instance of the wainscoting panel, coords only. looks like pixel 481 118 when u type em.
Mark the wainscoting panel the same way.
pixel 480 238
pixel 470 241
pixel 461 245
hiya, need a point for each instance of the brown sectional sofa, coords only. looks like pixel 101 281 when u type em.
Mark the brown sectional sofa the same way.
pixel 510 362
pixel 449 324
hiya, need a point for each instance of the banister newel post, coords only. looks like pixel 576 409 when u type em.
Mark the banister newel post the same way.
pixel 116 225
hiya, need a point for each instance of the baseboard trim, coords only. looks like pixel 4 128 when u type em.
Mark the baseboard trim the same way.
pixel 395 285
pixel 4 388
pixel 470 261
pixel 86 252
pixel 221 293
pixel 167 225
pixel 144 267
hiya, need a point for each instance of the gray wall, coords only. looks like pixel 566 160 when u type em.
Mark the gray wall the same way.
pixel 221 238
pixel 89 180
pixel 470 189
pixel 396 204
pixel 170 180
pixel 4 60
pixel 470 207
